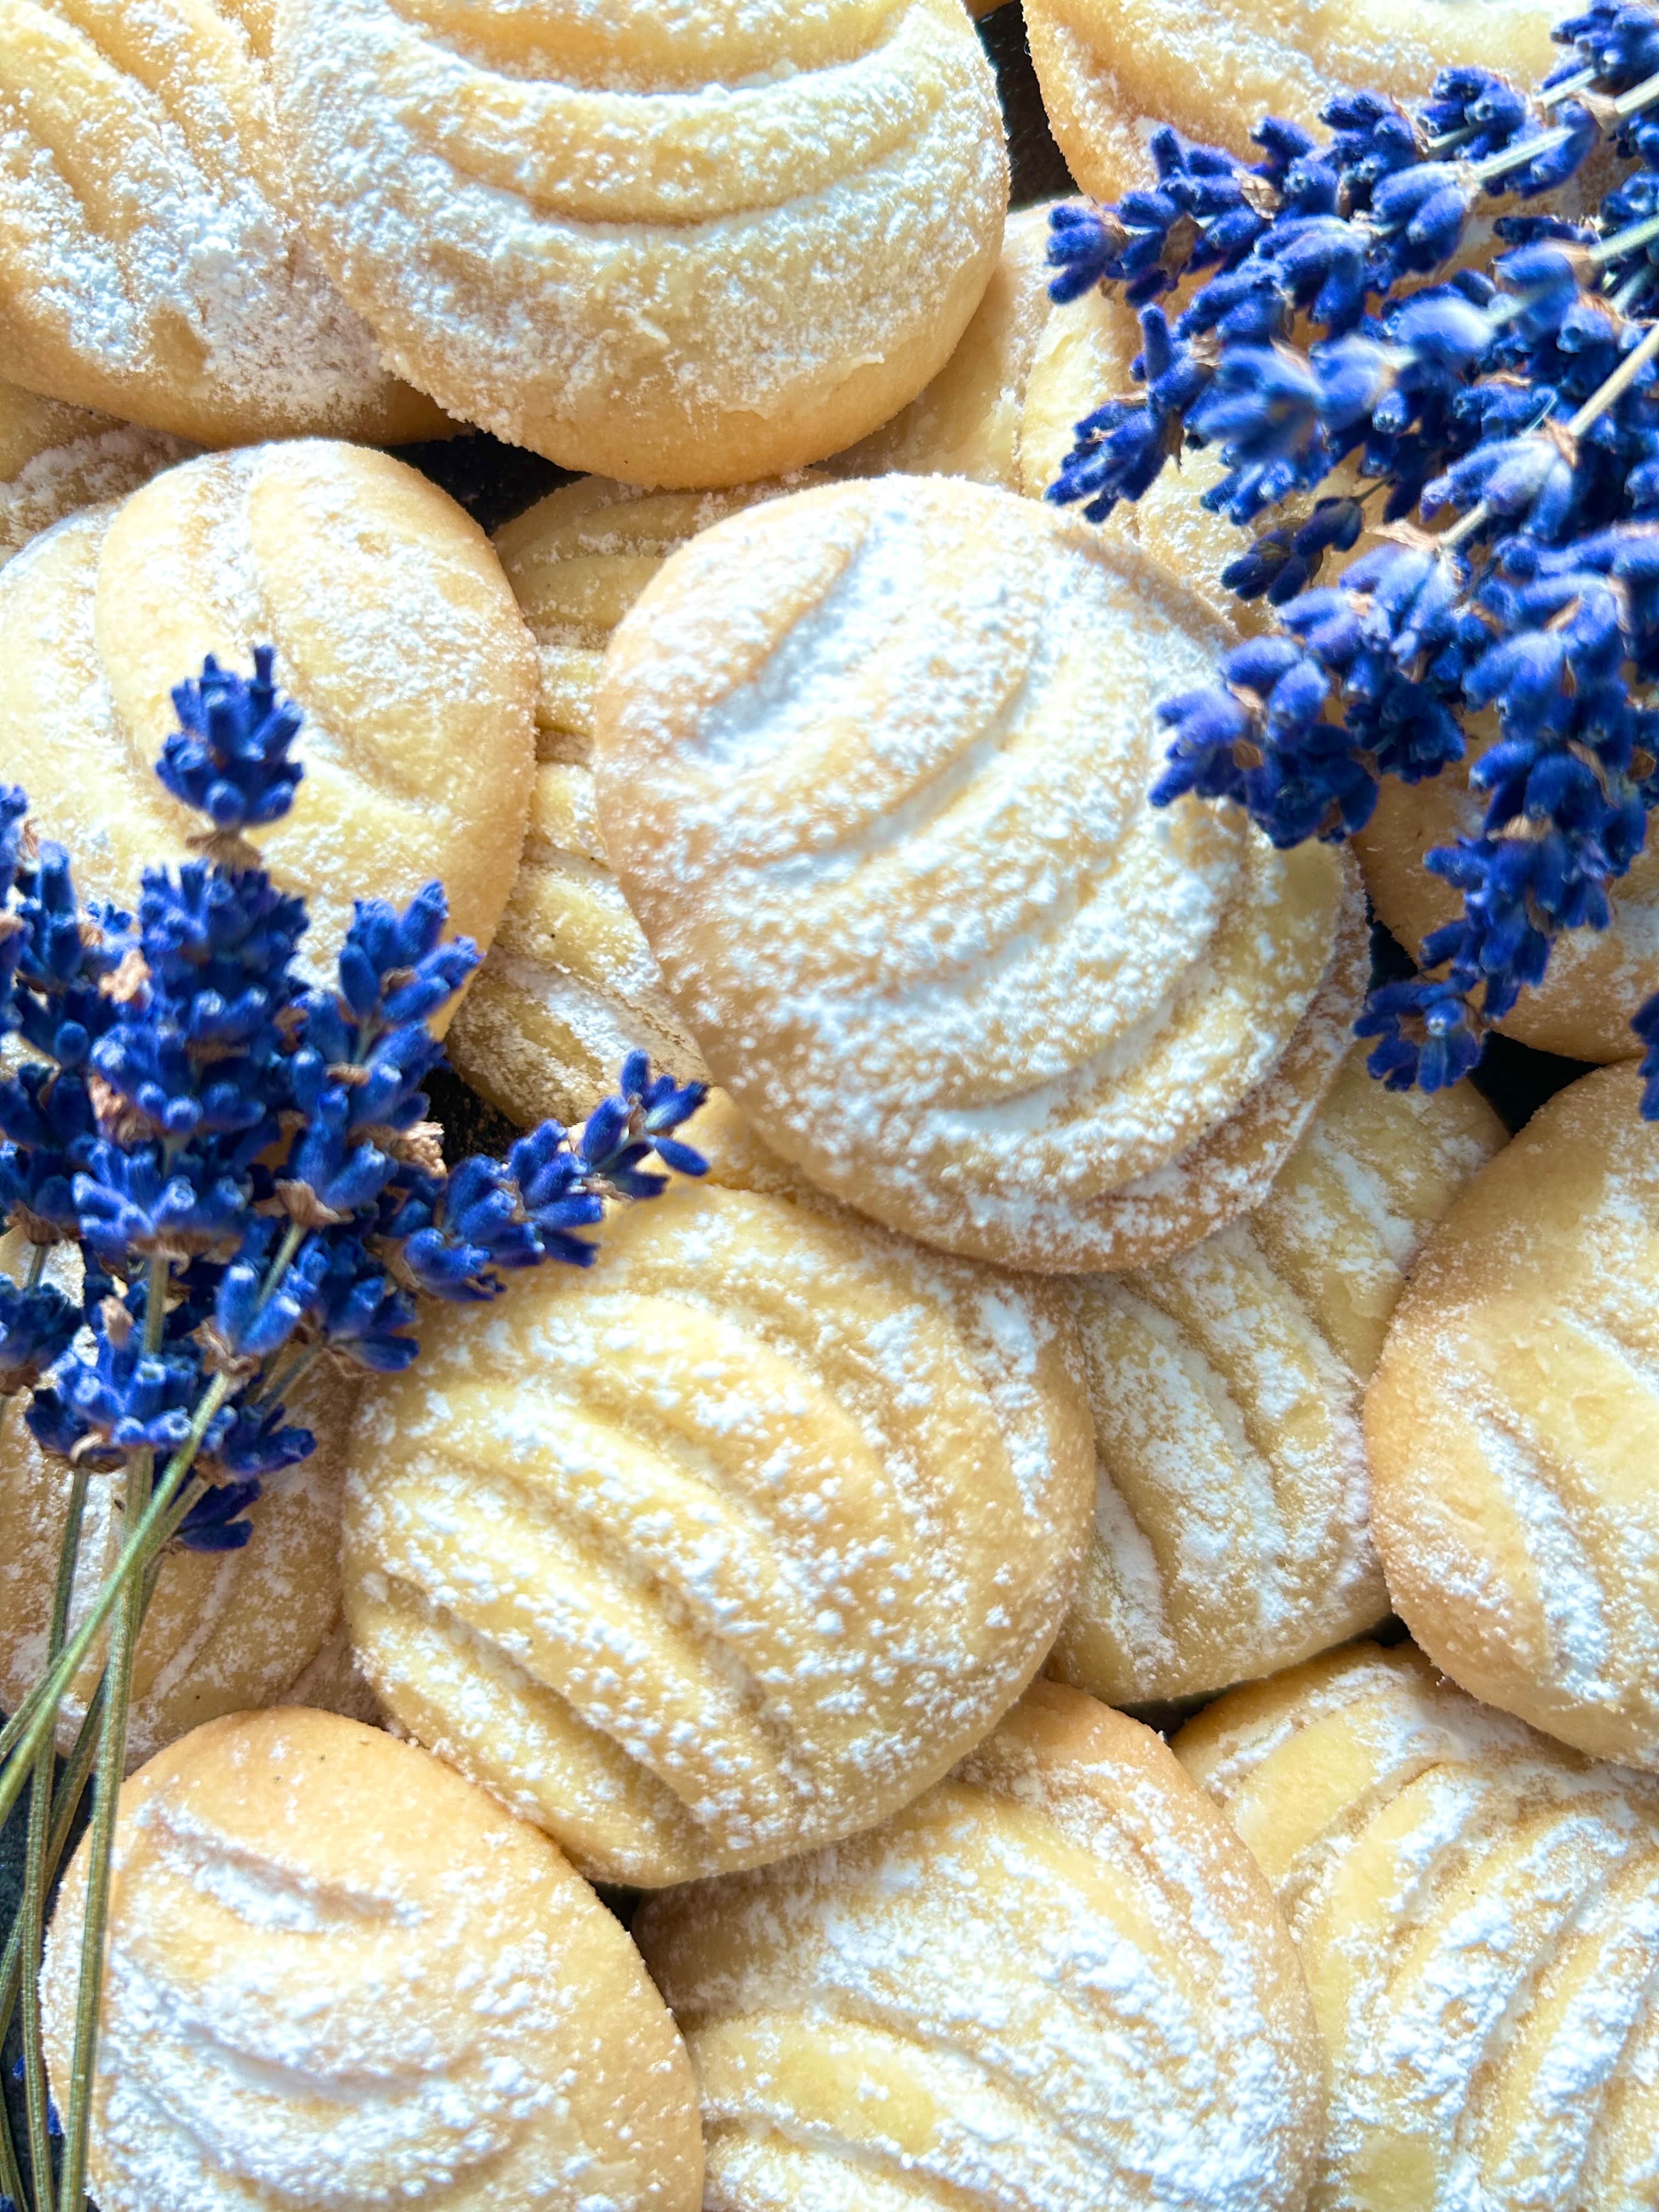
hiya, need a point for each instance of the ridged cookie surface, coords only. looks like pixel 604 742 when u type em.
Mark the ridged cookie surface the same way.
pixel 56 459
pixel 872 767
pixel 1056 1983
pixel 1478 1913
pixel 338 1976
pixel 1213 71
pixel 1232 1521
pixel 395 631
pixel 1513 1424
pixel 150 264
pixel 728 1545
pixel 686 245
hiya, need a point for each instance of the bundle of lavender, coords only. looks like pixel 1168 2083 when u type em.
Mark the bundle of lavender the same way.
pixel 249 1174
pixel 1498 436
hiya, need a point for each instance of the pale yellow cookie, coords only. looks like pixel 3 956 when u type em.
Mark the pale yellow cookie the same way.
pixel 150 264
pixel 693 245
pixel 874 765
pixel 570 986
pixel 1597 981
pixel 1112 71
pixel 338 1976
pixel 1513 1425
pixel 1231 1523
pixel 1056 1982
pixel 55 460
pixel 1478 1913
pixel 395 631
pixel 728 1545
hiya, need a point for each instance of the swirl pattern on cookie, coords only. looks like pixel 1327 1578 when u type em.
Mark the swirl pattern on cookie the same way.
pixel 1213 72
pixel 1478 1913
pixel 338 1976
pixel 1055 1983
pixel 1513 1425
pixel 55 460
pixel 1231 1527
pixel 728 1545
pixel 687 246
pixel 872 766
pixel 394 629
pixel 150 264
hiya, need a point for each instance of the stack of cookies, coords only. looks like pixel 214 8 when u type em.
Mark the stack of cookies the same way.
pixel 1069 1340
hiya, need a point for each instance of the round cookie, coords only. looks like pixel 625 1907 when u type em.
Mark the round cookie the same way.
pixel 339 1976
pixel 570 986
pixel 1105 66
pixel 150 265
pixel 1597 981
pixel 682 247
pixel 873 768
pixel 1513 1429
pixel 55 460
pixel 223 1631
pixel 1478 1913
pixel 1055 1982
pixel 1231 1533
pixel 728 1545
pixel 395 631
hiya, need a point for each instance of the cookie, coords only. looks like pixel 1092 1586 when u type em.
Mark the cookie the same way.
pixel 1055 1983
pixel 570 986
pixel 150 265
pixel 1513 1427
pixel 1476 1911
pixel 872 769
pixel 1597 981
pixel 394 629
pixel 1231 1533
pixel 1104 65
pixel 55 460
pixel 728 1545
pixel 338 1974
pixel 684 247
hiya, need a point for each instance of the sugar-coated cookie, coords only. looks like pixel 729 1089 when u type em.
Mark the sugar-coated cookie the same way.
pixel 1231 1533
pixel 570 985
pixel 874 765
pixel 150 264
pixel 234 1628
pixel 681 246
pixel 395 630
pixel 1056 1983
pixel 1478 1912
pixel 55 459
pixel 1105 66
pixel 340 1976
pixel 727 1547
pixel 1598 980
pixel 1513 1426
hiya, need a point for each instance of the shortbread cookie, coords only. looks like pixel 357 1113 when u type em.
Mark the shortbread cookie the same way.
pixel 149 262
pixel 55 460
pixel 571 985
pixel 874 765
pixel 727 1546
pixel 1109 69
pixel 222 1631
pixel 1478 1912
pixel 340 1976
pixel 1055 1983
pixel 1231 1523
pixel 685 246
pixel 1513 1426
pixel 1597 981
pixel 394 629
